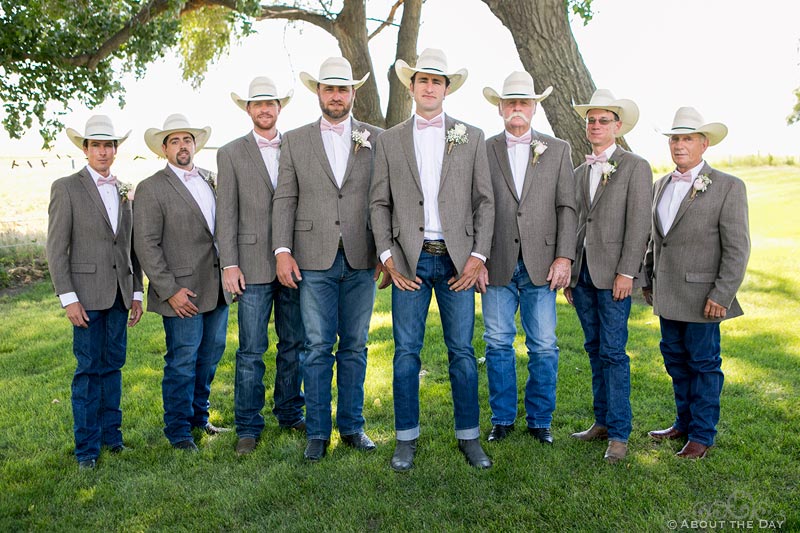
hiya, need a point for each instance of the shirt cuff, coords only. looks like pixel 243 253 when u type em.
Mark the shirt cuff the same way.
pixel 479 256
pixel 68 298
pixel 625 275
pixel 281 250
pixel 385 256
pixel 138 296
pixel 237 266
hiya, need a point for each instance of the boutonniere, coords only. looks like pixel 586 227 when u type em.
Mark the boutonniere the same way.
pixel 538 148
pixel 456 135
pixel 700 184
pixel 360 139
pixel 211 179
pixel 608 168
pixel 123 189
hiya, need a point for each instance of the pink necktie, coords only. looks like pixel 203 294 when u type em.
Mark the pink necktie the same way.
pixel 110 180
pixel 682 176
pixel 591 159
pixel 338 129
pixel 194 173
pixel 435 123
pixel 274 143
pixel 511 140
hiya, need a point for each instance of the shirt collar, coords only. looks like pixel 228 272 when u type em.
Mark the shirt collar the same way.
pixel 179 171
pixel 256 136
pixel 94 174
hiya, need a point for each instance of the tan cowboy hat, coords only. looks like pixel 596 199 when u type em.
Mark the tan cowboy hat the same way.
pixel 154 137
pixel 518 85
pixel 98 128
pixel 626 110
pixel 688 120
pixel 261 88
pixel 333 71
pixel 431 61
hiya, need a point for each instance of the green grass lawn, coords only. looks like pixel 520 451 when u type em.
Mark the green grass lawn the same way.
pixel 751 475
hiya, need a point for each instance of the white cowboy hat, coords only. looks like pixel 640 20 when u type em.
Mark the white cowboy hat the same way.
pixel 626 110
pixel 333 71
pixel 518 85
pixel 431 61
pixel 261 88
pixel 98 128
pixel 688 120
pixel 154 137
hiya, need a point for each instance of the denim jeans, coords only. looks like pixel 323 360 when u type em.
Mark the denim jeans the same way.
pixel 409 315
pixel 605 328
pixel 194 347
pixel 255 306
pixel 691 353
pixel 97 383
pixel 335 302
pixel 537 309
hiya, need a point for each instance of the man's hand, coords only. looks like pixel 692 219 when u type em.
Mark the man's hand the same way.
pixel 387 278
pixel 568 296
pixel 559 273
pixel 135 314
pixel 647 294
pixel 77 315
pixel 400 281
pixel 469 276
pixel 233 280
pixel 483 280
pixel 623 286
pixel 181 304
pixel 287 270
pixel 714 310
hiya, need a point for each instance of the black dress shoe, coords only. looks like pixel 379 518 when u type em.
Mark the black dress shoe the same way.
pixel 300 426
pixel 211 429
pixel 543 435
pixel 88 464
pixel 118 448
pixel 499 432
pixel 475 455
pixel 403 457
pixel 359 441
pixel 186 445
pixel 315 450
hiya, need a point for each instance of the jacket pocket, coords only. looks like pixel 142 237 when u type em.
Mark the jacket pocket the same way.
pixel 182 272
pixel 701 277
pixel 247 238
pixel 470 229
pixel 83 268
pixel 303 225
pixel 550 240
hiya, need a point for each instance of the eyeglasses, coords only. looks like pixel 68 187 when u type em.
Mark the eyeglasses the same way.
pixel 603 121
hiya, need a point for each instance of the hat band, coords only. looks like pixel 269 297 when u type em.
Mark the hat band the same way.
pixel 99 135
pixel 334 78
pixel 431 68
pixel 684 128
pixel 261 95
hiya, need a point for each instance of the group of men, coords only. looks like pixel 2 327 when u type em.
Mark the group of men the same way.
pixel 302 225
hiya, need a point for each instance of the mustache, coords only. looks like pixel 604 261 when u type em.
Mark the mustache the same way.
pixel 517 114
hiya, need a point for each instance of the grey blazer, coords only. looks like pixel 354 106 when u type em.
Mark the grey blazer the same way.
pixel 310 211
pixel 616 225
pixel 244 210
pixel 541 225
pixel 174 244
pixel 466 206
pixel 84 255
pixel 704 254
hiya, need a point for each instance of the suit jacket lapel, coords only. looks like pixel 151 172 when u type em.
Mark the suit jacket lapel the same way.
pixel 662 185
pixel 618 152
pixel 184 193
pixel 446 158
pixel 687 200
pixel 315 137
pixel 501 151
pixel 586 185
pixel 254 152
pixel 354 125
pixel 407 140
pixel 91 188
pixel 530 168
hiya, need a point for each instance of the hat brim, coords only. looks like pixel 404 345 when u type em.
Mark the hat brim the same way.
pixel 77 139
pixel 627 110
pixel 405 73
pixel 715 132
pixel 311 82
pixel 154 138
pixel 494 98
pixel 242 102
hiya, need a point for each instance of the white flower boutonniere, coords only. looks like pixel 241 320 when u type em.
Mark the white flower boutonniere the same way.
pixel 211 179
pixel 700 184
pixel 124 190
pixel 537 148
pixel 360 139
pixel 608 168
pixel 456 135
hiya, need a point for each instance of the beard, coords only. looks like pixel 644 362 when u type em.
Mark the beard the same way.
pixel 184 158
pixel 336 113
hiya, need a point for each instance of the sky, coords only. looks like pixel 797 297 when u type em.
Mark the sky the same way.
pixel 736 65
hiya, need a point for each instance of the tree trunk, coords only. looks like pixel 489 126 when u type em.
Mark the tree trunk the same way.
pixel 399 107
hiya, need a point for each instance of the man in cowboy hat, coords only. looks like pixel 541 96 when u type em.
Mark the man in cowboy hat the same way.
pixel 247 177
pixel 533 247
pixel 432 214
pixel 174 240
pixel 613 201
pixel 98 280
pixel 696 261
pixel 323 244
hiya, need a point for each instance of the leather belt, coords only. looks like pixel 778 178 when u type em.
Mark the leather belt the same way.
pixel 434 247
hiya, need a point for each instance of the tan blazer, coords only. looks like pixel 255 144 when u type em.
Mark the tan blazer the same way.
pixel 466 206
pixel 616 224
pixel 174 244
pixel 541 225
pixel 704 254
pixel 244 210
pixel 84 255
pixel 310 211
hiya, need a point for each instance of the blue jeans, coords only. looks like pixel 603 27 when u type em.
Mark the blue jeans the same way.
pixel 194 347
pixel 537 310
pixel 335 302
pixel 605 328
pixel 409 315
pixel 255 306
pixel 691 353
pixel 97 383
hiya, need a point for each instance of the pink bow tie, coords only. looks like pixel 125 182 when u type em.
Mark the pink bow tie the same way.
pixel 274 143
pixel 110 180
pixel 682 176
pixel 435 123
pixel 591 159
pixel 338 129
pixel 194 173
pixel 511 140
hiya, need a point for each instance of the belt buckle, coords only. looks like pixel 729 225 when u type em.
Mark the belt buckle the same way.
pixel 435 247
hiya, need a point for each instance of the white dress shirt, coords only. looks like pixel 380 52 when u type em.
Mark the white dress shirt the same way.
pixel 674 193
pixel 202 194
pixel 597 171
pixel 270 156
pixel 519 156
pixel 338 148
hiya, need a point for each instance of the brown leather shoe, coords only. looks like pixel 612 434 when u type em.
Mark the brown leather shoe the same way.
pixel 245 446
pixel 616 451
pixel 593 433
pixel 667 434
pixel 693 450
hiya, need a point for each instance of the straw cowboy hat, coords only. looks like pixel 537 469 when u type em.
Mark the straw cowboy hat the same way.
pixel 333 71
pixel 261 88
pixel 154 137
pixel 626 110
pixel 431 61
pixel 98 128
pixel 517 86
pixel 688 120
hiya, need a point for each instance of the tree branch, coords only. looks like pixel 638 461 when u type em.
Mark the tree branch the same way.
pixel 389 20
pixel 296 13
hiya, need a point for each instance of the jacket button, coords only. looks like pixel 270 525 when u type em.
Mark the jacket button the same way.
pixel 421 228
pixel 516 240
pixel 588 220
pixel 421 202
pixel 337 222
pixel 519 213
pixel 664 245
pixel 114 267
pixel 341 196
